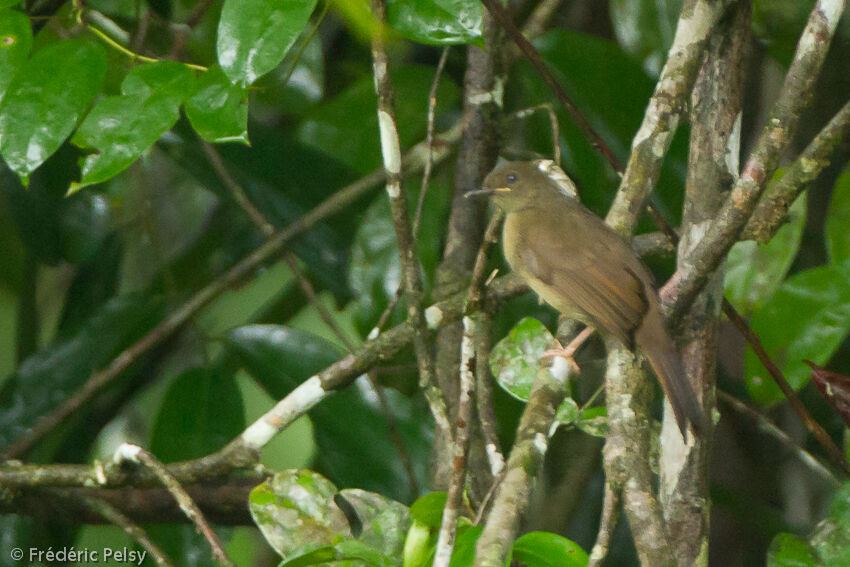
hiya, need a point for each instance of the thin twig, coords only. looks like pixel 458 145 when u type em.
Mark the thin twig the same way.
pixel 113 516
pixel 767 426
pixel 391 152
pixel 429 140
pixel 835 454
pixel 607 524
pixel 135 454
pixel 423 189
pixel 466 399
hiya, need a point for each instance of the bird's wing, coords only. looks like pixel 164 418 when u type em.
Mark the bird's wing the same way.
pixel 600 277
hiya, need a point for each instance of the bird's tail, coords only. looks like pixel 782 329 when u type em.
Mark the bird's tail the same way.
pixel 659 348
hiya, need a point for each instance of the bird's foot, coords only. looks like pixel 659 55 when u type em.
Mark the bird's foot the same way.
pixel 567 352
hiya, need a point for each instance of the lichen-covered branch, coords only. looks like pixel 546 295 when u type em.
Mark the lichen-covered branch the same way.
pixel 795 95
pixel 522 467
pixel 391 152
pixel 664 111
pixel 773 207
pixel 716 104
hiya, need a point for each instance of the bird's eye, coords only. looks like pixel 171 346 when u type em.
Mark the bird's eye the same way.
pixel 511 178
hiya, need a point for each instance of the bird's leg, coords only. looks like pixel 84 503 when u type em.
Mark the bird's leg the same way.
pixel 568 351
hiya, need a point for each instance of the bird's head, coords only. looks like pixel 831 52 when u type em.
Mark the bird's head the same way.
pixel 518 185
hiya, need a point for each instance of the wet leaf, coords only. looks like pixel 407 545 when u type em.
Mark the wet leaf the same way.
pixel 806 319
pixel 438 22
pixel 46 99
pixel 254 35
pixel 218 110
pixel 515 359
pixel 121 127
pixel 754 271
pixel 15 44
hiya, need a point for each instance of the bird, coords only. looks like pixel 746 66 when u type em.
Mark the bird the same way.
pixel 577 264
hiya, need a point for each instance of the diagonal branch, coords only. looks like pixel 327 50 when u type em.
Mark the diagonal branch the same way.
pixel 775 138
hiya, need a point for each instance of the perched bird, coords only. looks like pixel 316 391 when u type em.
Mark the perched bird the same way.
pixel 585 270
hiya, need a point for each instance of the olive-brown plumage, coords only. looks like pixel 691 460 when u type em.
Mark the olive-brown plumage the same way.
pixel 585 270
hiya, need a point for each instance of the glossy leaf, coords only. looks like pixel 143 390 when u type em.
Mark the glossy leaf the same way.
pixel 121 127
pixel 15 44
pixel 296 513
pixel 375 272
pixel 438 22
pixel 293 91
pixel 254 35
pixel 544 549
pixel 754 271
pixel 215 415
pixel 300 514
pixel 838 221
pixel 515 359
pixel 645 29
pixel 46 99
pixel 351 432
pixel 62 367
pixel 218 110
pixel 346 127
pixel 787 550
pixel 806 319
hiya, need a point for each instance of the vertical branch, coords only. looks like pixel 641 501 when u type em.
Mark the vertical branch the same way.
pixel 795 95
pixel 626 456
pixel 532 440
pixel 473 329
pixel 391 152
pixel 713 165
pixel 483 85
pixel 666 106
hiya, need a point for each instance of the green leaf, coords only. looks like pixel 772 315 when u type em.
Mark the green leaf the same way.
pixel 293 91
pixel 218 110
pixel 837 221
pixel 544 549
pixel 754 271
pixel 428 509
pixel 65 365
pixel 9 3
pixel 15 44
pixel 831 537
pixel 346 127
pixel 352 433
pixel 296 513
pixel 121 127
pixel 516 358
pixel 568 413
pixel 215 415
pixel 438 22
pixel 419 545
pixel 375 271
pixel 464 550
pixel 254 35
pixel 594 421
pixel 46 99
pixel 299 513
pixel 83 227
pixel 807 318
pixel 787 550
pixel 645 29
pixel 383 522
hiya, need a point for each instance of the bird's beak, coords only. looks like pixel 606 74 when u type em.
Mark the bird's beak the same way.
pixel 487 192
